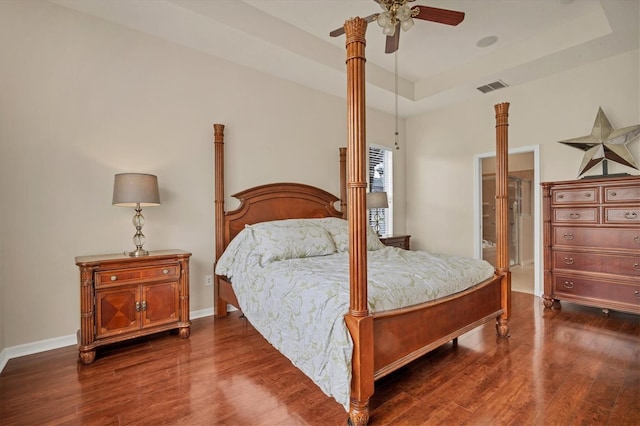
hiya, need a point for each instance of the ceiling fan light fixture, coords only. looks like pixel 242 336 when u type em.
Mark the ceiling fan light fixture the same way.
pixel 403 13
pixel 384 19
pixel 406 24
pixel 389 29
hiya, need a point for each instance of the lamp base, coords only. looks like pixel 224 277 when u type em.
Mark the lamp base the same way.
pixel 137 252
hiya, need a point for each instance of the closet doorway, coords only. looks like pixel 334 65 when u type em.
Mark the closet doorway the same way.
pixel 523 216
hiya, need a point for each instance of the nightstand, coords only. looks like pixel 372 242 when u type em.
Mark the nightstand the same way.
pixel 401 241
pixel 124 297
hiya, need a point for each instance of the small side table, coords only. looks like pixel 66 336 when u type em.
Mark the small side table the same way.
pixel 401 241
pixel 123 297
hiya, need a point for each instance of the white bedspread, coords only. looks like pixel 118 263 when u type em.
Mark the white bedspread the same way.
pixel 299 304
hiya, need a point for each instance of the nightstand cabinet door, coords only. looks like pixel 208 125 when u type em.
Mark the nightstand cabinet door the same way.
pixel 160 304
pixel 116 311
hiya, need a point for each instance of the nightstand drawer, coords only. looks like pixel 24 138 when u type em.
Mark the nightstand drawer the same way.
pixel 124 276
pixel 400 241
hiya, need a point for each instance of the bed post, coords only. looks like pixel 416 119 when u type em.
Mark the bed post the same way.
pixel 343 182
pixel 219 305
pixel 358 320
pixel 502 215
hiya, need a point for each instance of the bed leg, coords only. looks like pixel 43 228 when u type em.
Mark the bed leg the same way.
pixel 502 327
pixel 358 413
pixel 455 341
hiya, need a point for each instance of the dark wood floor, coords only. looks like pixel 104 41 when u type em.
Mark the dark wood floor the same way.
pixel 568 367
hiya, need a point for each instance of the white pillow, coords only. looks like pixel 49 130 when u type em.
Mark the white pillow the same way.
pixel 339 230
pixel 291 239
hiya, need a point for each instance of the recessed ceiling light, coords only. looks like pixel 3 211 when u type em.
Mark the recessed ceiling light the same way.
pixel 487 41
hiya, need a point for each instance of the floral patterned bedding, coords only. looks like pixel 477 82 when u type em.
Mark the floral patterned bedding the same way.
pixel 291 279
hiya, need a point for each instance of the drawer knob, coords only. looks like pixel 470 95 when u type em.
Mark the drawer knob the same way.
pixel 568 284
pixel 587 194
pixel 636 267
pixel 568 260
pixel 636 239
pixel 113 277
pixel 560 196
pixel 569 236
pixel 630 215
pixel 636 293
pixel 165 271
pixel 574 215
pixel 613 193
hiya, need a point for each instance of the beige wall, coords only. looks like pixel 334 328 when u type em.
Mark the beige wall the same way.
pixel 442 144
pixel 83 99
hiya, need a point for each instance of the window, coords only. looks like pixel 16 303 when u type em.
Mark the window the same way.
pixel 381 179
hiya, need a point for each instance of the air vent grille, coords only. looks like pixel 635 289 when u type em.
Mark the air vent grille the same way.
pixel 493 86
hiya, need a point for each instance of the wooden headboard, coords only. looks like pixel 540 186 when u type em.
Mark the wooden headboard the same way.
pixel 278 201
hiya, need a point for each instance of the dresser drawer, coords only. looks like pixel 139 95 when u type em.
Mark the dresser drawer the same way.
pixel 575 196
pixel 125 276
pixel 623 194
pixel 596 289
pixel 597 262
pixel 609 238
pixel 576 215
pixel 617 215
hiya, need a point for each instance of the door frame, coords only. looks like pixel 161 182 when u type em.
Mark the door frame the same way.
pixel 477 209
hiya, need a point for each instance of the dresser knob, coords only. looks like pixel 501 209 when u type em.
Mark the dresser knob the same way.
pixel 165 271
pixel 630 215
pixel 569 236
pixel 574 215
pixel 568 260
pixel 560 196
pixel 613 193
pixel 636 267
pixel 113 277
pixel 587 194
pixel 568 284
pixel 636 293
pixel 636 239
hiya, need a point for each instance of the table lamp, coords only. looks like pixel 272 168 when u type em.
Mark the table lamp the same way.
pixel 377 201
pixel 136 190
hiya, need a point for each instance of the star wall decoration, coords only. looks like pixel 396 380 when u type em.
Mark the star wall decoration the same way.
pixel 605 143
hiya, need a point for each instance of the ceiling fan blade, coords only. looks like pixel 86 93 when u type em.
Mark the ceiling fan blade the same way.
pixel 442 16
pixel 339 31
pixel 393 42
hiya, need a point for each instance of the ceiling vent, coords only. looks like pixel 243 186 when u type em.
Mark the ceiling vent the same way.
pixel 492 86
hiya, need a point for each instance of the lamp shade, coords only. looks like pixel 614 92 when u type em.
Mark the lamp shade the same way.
pixel 377 200
pixel 130 189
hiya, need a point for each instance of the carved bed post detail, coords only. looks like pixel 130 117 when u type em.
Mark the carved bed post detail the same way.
pixel 219 305
pixel 358 320
pixel 502 215
pixel 343 182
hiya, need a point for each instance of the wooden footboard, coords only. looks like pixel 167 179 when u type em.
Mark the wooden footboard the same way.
pixel 403 335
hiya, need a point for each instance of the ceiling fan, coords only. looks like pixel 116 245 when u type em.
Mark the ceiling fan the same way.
pixel 398 14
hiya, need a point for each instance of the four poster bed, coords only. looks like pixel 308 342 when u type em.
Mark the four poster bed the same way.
pixel 356 324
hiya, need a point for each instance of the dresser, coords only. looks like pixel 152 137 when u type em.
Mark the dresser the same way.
pixel 123 297
pixel 401 241
pixel 591 232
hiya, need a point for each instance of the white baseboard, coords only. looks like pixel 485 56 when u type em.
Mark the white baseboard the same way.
pixel 60 342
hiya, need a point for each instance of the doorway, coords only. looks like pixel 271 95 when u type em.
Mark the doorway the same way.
pixel 523 195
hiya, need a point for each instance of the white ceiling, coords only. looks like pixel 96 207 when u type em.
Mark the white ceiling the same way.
pixel 437 64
